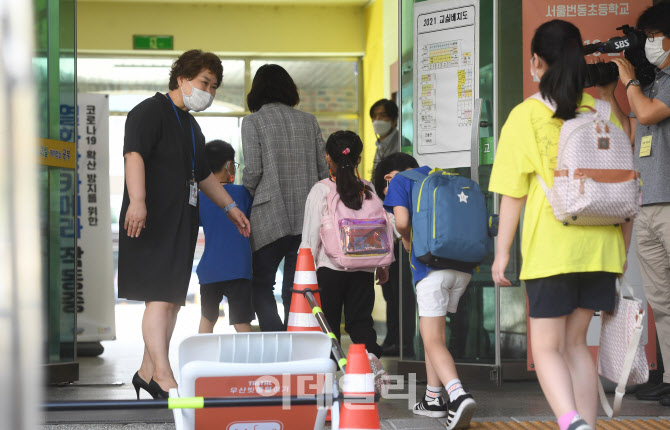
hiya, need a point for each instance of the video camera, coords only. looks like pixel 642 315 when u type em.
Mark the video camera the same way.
pixel 632 45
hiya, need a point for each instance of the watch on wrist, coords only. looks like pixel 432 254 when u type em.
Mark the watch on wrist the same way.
pixel 229 207
pixel 635 82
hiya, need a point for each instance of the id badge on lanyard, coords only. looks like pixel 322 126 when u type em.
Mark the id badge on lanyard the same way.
pixel 192 184
pixel 193 194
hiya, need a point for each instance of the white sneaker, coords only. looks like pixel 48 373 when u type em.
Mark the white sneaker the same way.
pixel 381 378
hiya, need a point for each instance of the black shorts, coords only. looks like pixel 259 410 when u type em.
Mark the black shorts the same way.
pixel 238 293
pixel 560 295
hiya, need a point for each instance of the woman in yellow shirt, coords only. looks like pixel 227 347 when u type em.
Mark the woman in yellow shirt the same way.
pixel 569 271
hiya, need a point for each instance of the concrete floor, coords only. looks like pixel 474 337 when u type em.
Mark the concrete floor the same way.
pixel 108 378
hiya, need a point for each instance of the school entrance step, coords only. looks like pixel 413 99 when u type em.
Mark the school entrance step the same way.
pixel 548 425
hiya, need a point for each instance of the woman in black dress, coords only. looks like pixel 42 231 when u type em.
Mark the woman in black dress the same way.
pixel 165 163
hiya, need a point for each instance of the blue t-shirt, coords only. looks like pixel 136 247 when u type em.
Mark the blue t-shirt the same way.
pixel 399 193
pixel 227 253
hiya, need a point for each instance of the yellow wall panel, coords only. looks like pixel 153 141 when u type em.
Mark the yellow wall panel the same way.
pixel 390 41
pixel 224 28
pixel 373 78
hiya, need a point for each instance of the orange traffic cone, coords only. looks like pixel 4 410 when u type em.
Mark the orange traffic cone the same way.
pixel 359 382
pixel 300 317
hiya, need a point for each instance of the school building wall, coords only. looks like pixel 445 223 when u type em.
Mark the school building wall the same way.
pixel 369 32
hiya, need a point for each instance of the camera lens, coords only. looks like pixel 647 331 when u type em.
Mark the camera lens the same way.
pixel 601 74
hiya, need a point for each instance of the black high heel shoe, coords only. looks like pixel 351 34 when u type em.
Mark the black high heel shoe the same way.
pixel 156 391
pixel 139 383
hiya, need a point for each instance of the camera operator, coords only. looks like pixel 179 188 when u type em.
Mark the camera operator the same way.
pixel 650 127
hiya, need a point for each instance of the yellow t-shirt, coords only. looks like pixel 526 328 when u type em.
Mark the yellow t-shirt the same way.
pixel 529 145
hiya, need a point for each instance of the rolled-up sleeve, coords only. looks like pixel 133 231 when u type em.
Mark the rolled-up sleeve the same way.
pixel 253 158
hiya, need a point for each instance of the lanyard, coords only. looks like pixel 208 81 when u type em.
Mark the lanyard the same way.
pixel 192 135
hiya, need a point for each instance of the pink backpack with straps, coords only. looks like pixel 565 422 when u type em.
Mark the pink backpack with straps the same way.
pixel 595 182
pixel 356 239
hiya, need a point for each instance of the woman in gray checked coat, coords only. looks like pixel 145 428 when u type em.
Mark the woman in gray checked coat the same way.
pixel 284 156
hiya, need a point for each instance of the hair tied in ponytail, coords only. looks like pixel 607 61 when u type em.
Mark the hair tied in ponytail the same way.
pixel 346 151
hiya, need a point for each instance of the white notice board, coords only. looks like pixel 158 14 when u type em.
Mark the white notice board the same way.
pixel 446 80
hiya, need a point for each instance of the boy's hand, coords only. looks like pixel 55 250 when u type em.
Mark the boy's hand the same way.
pixel 407 244
pixel 382 275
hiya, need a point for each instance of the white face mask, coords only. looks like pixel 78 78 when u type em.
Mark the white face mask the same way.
pixel 533 74
pixel 381 127
pixel 198 101
pixel 654 51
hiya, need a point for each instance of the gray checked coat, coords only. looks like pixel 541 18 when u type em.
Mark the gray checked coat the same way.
pixel 284 156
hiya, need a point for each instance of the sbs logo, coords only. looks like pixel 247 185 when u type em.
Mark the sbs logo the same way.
pixel 622 44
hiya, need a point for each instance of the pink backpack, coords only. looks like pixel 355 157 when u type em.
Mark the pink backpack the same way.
pixel 595 182
pixel 356 239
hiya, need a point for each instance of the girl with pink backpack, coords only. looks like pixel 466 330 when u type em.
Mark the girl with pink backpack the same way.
pixel 350 236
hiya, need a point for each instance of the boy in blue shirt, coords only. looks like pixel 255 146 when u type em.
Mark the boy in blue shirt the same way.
pixel 225 266
pixel 437 292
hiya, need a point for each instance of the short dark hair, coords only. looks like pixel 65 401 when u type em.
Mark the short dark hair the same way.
pixel 656 18
pixel 218 153
pixel 389 106
pixel 272 84
pixel 397 161
pixel 191 63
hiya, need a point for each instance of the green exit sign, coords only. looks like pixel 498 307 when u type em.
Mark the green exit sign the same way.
pixel 161 43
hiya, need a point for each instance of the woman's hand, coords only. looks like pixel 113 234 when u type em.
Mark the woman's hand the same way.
pixel 136 217
pixel 240 221
pixel 498 269
pixel 626 70
pixel 382 275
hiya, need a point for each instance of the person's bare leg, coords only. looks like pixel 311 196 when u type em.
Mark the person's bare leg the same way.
pixel 157 326
pixel 242 327
pixel 173 312
pixel 206 326
pixel 147 366
pixel 435 343
pixel 581 365
pixel 548 345
pixel 432 378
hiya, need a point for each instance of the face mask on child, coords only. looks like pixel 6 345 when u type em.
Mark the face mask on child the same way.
pixel 533 73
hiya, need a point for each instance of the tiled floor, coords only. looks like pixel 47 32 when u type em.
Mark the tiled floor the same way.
pixel 108 378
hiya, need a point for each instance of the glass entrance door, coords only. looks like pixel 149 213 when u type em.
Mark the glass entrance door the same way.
pixel 478 337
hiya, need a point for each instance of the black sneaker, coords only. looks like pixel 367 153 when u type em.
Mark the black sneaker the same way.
pixel 461 411
pixel 435 408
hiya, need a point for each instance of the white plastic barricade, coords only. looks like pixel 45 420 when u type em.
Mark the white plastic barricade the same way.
pixel 282 364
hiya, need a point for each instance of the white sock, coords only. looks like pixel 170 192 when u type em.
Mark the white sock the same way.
pixel 432 393
pixel 454 389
